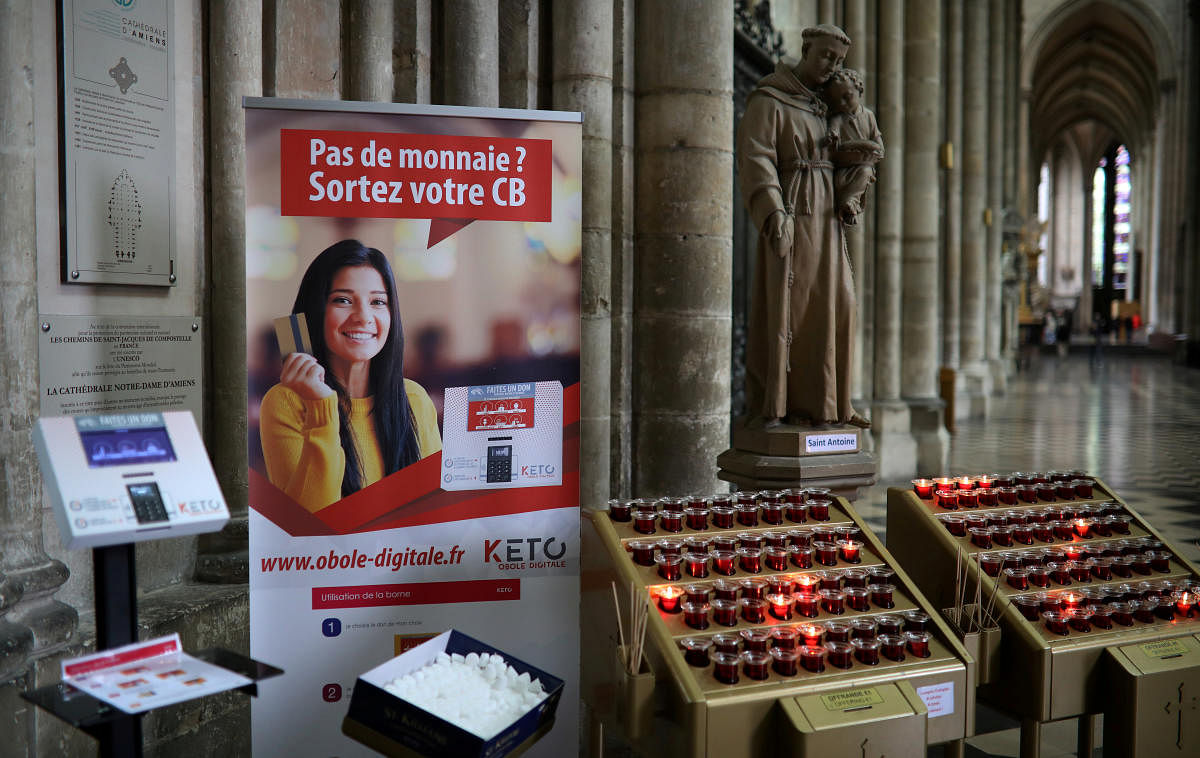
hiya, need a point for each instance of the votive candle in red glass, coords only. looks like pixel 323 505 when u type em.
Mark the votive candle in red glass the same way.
pixel 753 588
pixel 772 513
pixel 797 513
pixel 988 497
pixel 1029 606
pixel 1102 526
pixel 1045 492
pixel 1017 578
pixel 1122 613
pixel 923 488
pixel 799 537
pixel 695 565
pixel 696 650
pixel 1063 530
pixel 785 637
pixel 722 516
pixel 782 584
pixel 620 510
pixel 668 567
pixel 801 556
pixel 981 536
pixel 726 642
pixel 892 646
pixel 853 577
pixel 955 525
pixel 826 553
pixel 775 539
pixel 1059 572
pixel 944 483
pixel 811 634
pixel 695 614
pixel 643 552
pixel 1082 487
pixel 1026 493
pixel 889 624
pixel 918 643
pixel 839 654
pixel 1165 609
pixel 850 550
pixel 698 545
pixel 812 658
pixel 643 521
pixel 866 650
pixel 1122 566
pixel 1006 495
pixel 722 562
pixel 947 499
pixel 1144 610
pixel 964 483
pixel 1043 532
pixel 1160 560
pixel 833 601
pixel 669 598
pixel 726 589
pixel 882 595
pixel 1023 533
pixel 915 621
pixel 1102 569
pixel 1071 599
pixel 670 547
pixel 1055 622
pixel 1082 527
pixel 776 558
pixel 830 580
pixel 1003 535
pixel 696 518
pixel 968 499
pixel 671 521
pixel 750 559
pixel 1185 604
pixel 1080 571
pixel 754 610
pixel 1101 617
pixel 757 640
pixel 807 584
pixel 696 592
pixel 725 667
pixel 747 514
pixel 1039 576
pixel 750 539
pixel 818 509
pixel 857 598
pixel 724 612
pixel 785 662
pixel 781 606
pixel 745 498
pixel 1064 491
pixel 863 626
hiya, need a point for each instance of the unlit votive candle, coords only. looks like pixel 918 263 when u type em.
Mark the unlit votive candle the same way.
pixel 947 499
pixel 806 605
pixel 772 513
pixel 695 615
pixel 833 601
pixel 722 562
pixel 889 624
pixel 695 565
pixel 988 498
pixel 785 637
pixel 725 667
pixel 818 509
pixel 783 584
pixel 757 640
pixel 801 556
pixel 668 567
pixel 915 621
pixel 754 610
pixel 722 516
pixel 968 498
pixel 753 588
pixel 726 589
pixel 671 521
pixel 857 598
pixel 776 558
pixel 839 654
pixel 726 642
pixel 1029 606
pixel 620 510
pixel 696 650
pixel 696 518
pixel 785 661
pixel 696 593
pixel 643 552
pixel 747 514
pixel 643 521
pixel 797 513
pixel 863 626
pixel 724 612
pixel 826 553
pixel 892 646
pixel 955 525
pixel 750 559
pixel 918 643
pixel 812 658
pixel 881 595
pixel 866 650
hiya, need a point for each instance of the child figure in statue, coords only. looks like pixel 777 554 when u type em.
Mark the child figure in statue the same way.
pixel 854 141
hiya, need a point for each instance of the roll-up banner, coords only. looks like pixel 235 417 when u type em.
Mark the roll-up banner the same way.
pixel 412 317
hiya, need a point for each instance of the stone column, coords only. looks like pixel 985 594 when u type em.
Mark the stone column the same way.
pixel 583 81
pixel 919 328
pixel 519 31
pixel 791 19
pixel 859 236
pixel 684 138
pixel 952 197
pixel 411 50
pixel 826 13
pixel 369 25
pixel 32 622
pixel 304 50
pixel 235 70
pixel 973 283
pixel 997 373
pixel 895 446
pixel 621 434
pixel 471 47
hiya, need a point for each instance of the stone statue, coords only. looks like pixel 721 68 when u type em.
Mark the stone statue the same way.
pixel 855 141
pixel 803 309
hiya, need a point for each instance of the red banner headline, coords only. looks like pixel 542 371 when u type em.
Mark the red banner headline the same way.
pixel 390 175
pixel 418 593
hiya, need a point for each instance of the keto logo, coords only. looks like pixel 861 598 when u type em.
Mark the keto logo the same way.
pixel 529 552
pixel 539 471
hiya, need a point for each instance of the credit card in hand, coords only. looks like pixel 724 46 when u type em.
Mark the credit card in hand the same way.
pixel 292 332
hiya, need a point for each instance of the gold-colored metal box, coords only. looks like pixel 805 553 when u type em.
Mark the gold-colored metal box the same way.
pixel 1154 698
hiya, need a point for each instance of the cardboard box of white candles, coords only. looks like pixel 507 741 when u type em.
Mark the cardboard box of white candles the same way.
pixel 453 696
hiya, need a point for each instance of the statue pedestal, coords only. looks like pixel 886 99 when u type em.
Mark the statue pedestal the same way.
pixel 798 456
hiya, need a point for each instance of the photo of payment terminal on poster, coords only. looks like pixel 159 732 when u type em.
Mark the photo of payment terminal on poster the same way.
pixel 502 435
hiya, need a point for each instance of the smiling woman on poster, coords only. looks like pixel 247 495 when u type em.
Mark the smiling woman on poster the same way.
pixel 344 417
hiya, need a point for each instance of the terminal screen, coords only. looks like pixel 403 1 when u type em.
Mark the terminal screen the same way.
pixel 129 446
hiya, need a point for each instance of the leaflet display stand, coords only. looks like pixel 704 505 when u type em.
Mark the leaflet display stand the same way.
pixel 113 480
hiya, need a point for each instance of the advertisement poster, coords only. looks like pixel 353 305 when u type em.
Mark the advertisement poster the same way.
pixel 412 322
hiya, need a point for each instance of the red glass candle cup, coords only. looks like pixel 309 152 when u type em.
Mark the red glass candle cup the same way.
pixel 807 584
pixel 722 562
pixel 776 558
pixel 781 606
pixel 1143 610
pixel 801 556
pixel 670 521
pixel 726 589
pixel 918 643
pixel 1039 576
pixel 726 642
pixel 955 525
pixel 1082 487
pixel 670 599
pixel 1101 617
pixel 643 552
pixel 882 595
pixel 1026 493
pixel 772 513
pixel 1059 572
pixel 1122 566
pixel 695 565
pixel 725 667
pixel 785 662
pixel 839 654
pixel 696 593
pixel 981 536
pixel 747 514
pixel 695 615
pixel 947 499
pixel 1006 495
pixel 783 584
pixel 1082 527
pixel 723 499
pixel 670 547
pixel 850 550
pixel 863 626
pixel 1003 535
pixel 1119 523
pixel 812 658
pixel 854 578
pixel 696 518
pixel 1063 530
pixel 696 650
pixel 724 612
pixel 811 634
pixel 818 509
pixel 1045 492
pixel 1079 619
pixel 991 563
pixel 988 498
pixel 923 488
pixel 1071 599
pixel 1023 534
pixel 699 545
pixel 754 610
pixel 826 553
pixel 1063 490
pixel 1121 612
pixel 807 605
pixel 1017 578
pixel 775 539
pixel 1102 569
pixel 857 598
pixel 964 483
pixel 668 567
pixel 620 510
pixel 829 580
pixel 745 498
pixel 755 640
pixel 1081 571
pixel 753 588
pixel 1029 606
pixel 721 516
pixel 1102 526
pixel 1160 560
pixel 915 621
pixel 797 513
pixel 750 559
pixel 643 521
pixel 866 650
pixel 892 646
pixel 785 637
pixel 848 532
pixel 889 624
pixel 968 499
pixel 799 537
pixel 750 539
pixel 833 601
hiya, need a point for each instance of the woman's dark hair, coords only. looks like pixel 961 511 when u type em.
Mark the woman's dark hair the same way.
pixel 394 426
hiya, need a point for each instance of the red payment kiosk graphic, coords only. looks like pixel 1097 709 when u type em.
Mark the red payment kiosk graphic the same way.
pixel 502 435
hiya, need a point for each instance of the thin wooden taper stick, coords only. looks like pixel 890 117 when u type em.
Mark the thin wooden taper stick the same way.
pixel 617 607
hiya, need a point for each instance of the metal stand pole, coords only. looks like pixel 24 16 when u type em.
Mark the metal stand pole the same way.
pixel 115 577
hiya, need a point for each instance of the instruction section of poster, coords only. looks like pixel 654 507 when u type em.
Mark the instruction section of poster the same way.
pixel 147 675
pixel 114 364
pixel 119 142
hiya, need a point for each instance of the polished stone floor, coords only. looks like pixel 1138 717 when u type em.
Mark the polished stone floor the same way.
pixel 1132 420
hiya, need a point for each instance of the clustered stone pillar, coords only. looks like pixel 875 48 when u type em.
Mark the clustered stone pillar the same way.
pixel 997 369
pixel 235 70
pixel 919 329
pixel 31 620
pixel 520 21
pixel 684 241
pixel 411 50
pixel 621 310
pixel 973 286
pixel 369 27
pixel 304 55
pixel 890 416
pixel 471 48
pixel 583 71
pixel 859 235
pixel 953 240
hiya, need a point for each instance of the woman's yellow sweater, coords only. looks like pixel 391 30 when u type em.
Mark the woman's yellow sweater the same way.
pixel 303 451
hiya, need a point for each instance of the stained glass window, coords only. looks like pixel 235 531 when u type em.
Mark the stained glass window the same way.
pixel 1099 190
pixel 1121 227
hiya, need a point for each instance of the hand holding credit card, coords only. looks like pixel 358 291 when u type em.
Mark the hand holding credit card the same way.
pixel 292 332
